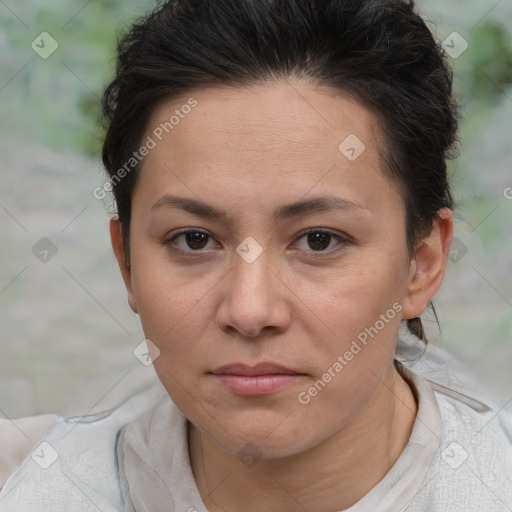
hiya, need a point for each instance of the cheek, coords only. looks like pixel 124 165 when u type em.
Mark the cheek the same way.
pixel 359 317
pixel 353 359
pixel 173 318
pixel 173 309
pixel 361 341
pixel 355 296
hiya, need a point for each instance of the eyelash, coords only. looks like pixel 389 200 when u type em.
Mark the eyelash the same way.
pixel 170 241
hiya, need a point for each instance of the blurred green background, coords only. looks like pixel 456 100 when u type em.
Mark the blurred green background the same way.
pixel 67 334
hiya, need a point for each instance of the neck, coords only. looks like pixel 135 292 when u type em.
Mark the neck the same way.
pixel 329 477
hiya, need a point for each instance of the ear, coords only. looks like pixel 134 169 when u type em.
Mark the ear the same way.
pixel 428 265
pixel 116 239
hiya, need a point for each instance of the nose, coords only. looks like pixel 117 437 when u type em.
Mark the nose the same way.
pixel 255 300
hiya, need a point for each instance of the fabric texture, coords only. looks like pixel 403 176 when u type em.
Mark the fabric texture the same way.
pixel 134 458
pixel 17 439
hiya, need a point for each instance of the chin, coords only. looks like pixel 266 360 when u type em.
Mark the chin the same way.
pixel 257 448
pixel 257 440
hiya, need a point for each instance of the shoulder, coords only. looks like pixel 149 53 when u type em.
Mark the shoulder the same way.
pixel 17 439
pixel 472 469
pixel 75 462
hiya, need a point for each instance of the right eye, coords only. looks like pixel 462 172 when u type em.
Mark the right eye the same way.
pixel 195 240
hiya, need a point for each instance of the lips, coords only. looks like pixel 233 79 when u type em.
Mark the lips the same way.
pixel 259 369
pixel 261 379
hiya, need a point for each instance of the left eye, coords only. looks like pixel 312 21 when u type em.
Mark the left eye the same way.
pixel 317 240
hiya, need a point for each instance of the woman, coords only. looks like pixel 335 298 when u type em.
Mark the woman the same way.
pixel 283 220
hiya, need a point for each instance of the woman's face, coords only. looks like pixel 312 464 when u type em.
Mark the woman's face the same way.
pixel 254 169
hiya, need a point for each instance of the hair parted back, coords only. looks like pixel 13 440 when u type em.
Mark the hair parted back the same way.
pixel 379 52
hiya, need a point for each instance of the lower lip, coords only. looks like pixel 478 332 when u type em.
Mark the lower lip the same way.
pixel 256 385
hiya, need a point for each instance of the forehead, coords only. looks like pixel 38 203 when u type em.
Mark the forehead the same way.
pixel 283 137
pixel 297 111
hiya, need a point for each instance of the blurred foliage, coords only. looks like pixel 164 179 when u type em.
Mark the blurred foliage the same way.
pixel 492 58
pixel 59 97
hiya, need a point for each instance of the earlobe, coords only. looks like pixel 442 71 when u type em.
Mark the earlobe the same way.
pixel 116 239
pixel 428 265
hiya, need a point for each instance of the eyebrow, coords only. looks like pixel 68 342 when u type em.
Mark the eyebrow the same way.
pixel 297 209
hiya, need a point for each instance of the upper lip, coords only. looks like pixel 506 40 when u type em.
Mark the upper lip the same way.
pixel 259 369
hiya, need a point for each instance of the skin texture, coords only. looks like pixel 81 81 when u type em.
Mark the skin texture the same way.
pixel 249 151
